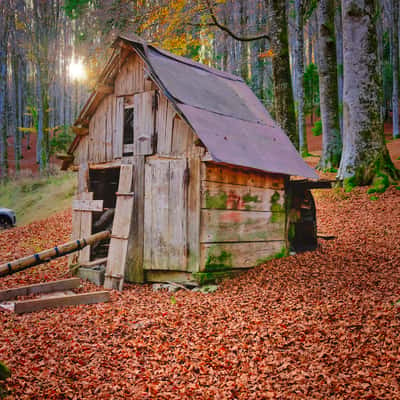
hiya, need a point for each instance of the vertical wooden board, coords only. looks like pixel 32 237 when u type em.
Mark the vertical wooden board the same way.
pixel 181 135
pixel 101 132
pixel 134 263
pixel 109 128
pixel 130 78
pixel 169 124
pixel 118 136
pixel 83 179
pixel 91 138
pixel 86 227
pixel 241 226
pixel 143 123
pixel 194 214
pixel 160 208
pixel 226 256
pixel 76 233
pixel 148 217
pixel 177 215
pixel 163 141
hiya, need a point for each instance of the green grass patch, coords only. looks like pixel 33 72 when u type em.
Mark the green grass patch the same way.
pixel 37 198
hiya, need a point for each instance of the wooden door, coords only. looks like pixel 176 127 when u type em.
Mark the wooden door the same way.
pixel 165 215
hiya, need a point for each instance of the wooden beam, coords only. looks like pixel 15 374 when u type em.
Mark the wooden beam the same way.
pixel 46 287
pixel 65 157
pixel 87 205
pixel 105 89
pixel 27 306
pixel 80 131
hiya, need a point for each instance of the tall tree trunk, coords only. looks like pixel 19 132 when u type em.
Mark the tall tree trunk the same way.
pixel 395 64
pixel 282 84
pixel 365 155
pixel 328 86
pixel 4 31
pixel 299 67
pixel 244 48
pixel 339 58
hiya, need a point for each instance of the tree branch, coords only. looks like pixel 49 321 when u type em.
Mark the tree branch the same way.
pixel 229 31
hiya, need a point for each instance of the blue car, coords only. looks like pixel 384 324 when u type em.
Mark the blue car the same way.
pixel 7 218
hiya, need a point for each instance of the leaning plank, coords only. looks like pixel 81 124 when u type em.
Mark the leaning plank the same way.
pixel 87 205
pixel 26 306
pixel 46 287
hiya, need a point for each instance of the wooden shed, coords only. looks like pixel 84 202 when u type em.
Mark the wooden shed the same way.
pixel 187 168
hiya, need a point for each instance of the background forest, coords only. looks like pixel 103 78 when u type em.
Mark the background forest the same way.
pixel 331 64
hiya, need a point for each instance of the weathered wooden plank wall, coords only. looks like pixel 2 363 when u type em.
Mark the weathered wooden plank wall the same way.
pixel 243 217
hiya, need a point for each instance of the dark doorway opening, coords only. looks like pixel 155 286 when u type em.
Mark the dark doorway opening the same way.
pixel 104 185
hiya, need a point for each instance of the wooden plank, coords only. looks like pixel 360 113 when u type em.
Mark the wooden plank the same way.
pixel 240 176
pixel 219 257
pixel 181 137
pixel 87 205
pixel 148 216
pixel 110 120
pixel 143 123
pixel 165 276
pixel 125 178
pixel 134 261
pixel 177 215
pixel 128 149
pixel 193 227
pixel 159 211
pixel 215 195
pixel 116 264
pixel 27 306
pixel 130 78
pixel 241 226
pixel 118 136
pixel 46 287
pixel 83 178
pixel 86 227
pixel 79 131
pixel 163 142
pixel 117 254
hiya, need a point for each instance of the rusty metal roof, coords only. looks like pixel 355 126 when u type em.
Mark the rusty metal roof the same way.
pixel 224 112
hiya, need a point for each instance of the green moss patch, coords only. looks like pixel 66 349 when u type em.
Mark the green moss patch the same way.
pixel 283 252
pixel 217 201
pixel 218 262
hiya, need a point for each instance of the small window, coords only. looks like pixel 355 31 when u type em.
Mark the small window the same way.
pixel 128 126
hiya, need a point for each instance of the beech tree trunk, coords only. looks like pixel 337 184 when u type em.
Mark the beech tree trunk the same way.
pixel 4 25
pixel 299 74
pixel 395 63
pixel 328 86
pixel 282 83
pixel 365 155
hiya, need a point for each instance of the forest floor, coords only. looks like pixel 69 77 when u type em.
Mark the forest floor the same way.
pixel 317 325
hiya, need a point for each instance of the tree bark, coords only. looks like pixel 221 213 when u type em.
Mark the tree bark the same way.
pixel 282 84
pixel 4 31
pixel 328 86
pixel 395 64
pixel 365 156
pixel 339 61
pixel 299 68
